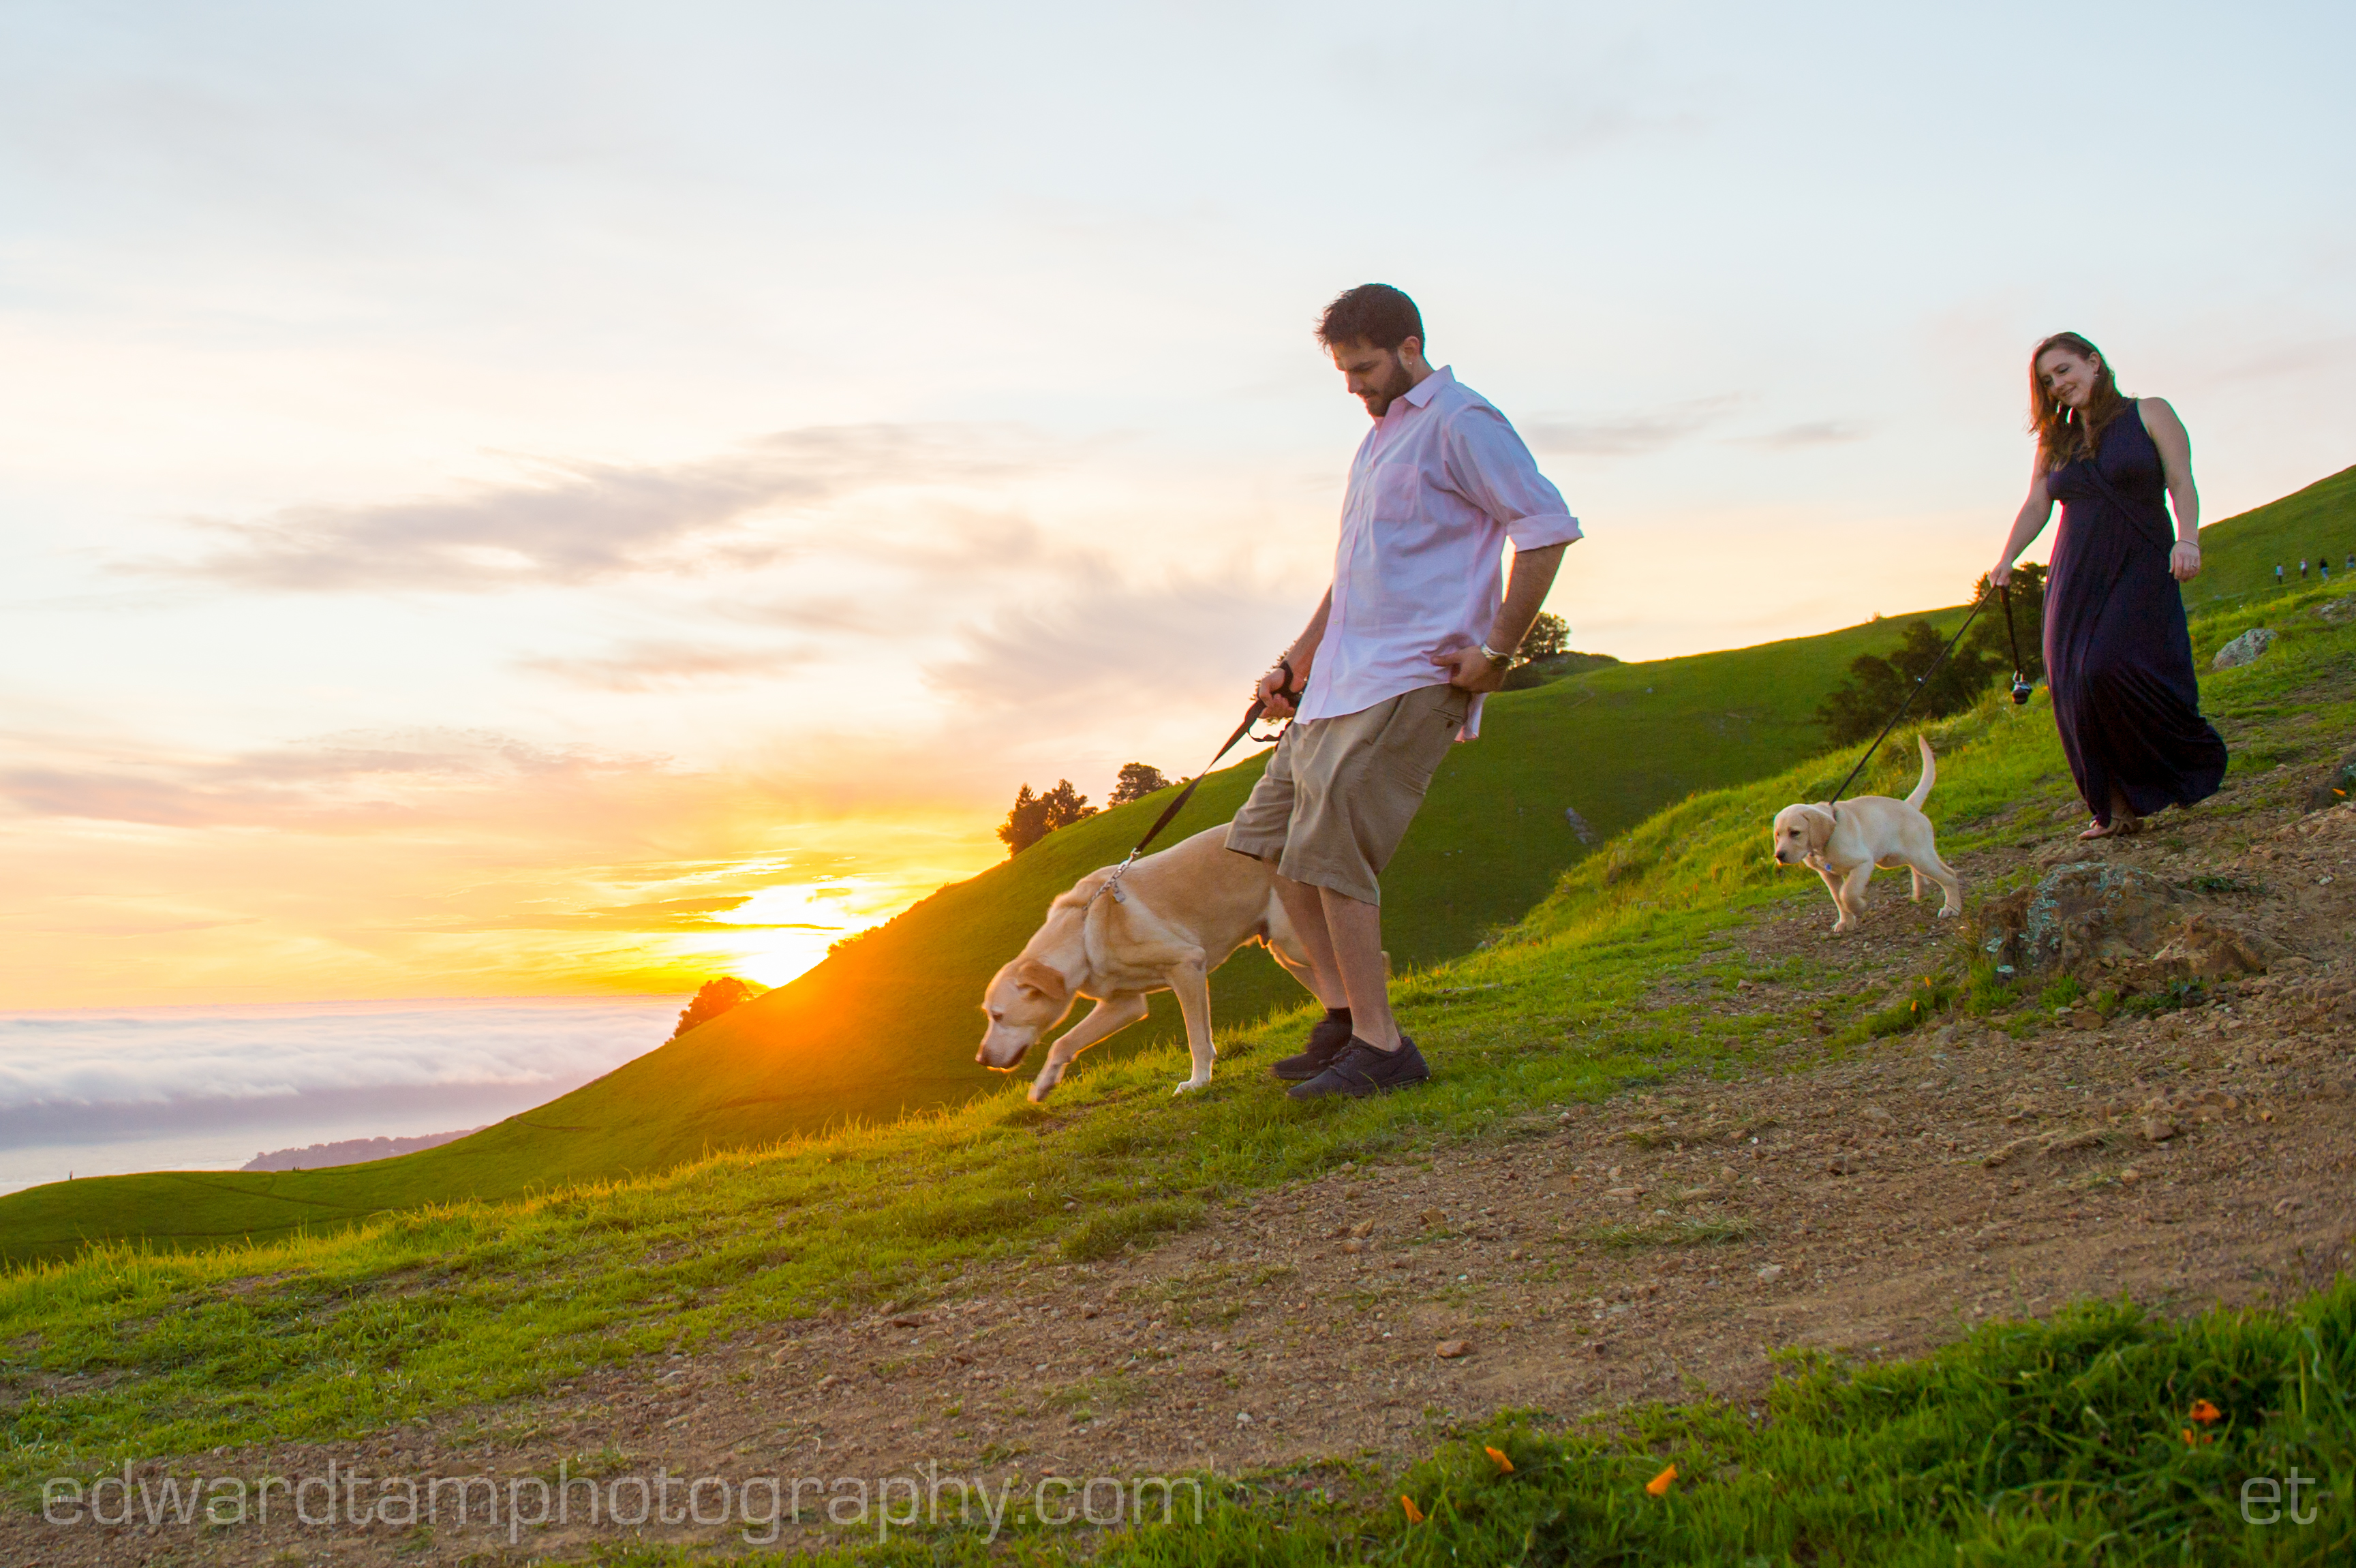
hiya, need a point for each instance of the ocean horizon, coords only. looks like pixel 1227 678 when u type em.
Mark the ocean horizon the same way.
pixel 112 1090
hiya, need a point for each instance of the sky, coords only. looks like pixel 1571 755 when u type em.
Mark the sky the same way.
pixel 516 499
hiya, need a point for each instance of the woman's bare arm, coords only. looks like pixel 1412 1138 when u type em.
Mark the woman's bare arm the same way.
pixel 2168 433
pixel 2027 524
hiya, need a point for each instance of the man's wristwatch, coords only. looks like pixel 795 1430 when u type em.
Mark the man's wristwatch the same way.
pixel 1496 660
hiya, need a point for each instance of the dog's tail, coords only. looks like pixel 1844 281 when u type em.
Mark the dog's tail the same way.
pixel 1930 774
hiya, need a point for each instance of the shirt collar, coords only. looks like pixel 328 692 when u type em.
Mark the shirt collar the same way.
pixel 1423 391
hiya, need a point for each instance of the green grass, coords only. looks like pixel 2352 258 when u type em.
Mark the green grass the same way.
pixel 1613 981
pixel 2061 1442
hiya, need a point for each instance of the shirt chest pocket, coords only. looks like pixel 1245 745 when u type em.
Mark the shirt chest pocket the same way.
pixel 1398 491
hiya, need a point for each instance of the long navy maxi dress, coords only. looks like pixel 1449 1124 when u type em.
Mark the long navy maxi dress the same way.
pixel 2118 657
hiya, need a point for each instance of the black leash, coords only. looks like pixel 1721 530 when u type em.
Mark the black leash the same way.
pixel 1834 804
pixel 1251 717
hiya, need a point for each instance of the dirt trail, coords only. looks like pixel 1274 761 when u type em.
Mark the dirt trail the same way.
pixel 1641 1249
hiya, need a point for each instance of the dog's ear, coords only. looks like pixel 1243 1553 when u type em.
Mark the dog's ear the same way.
pixel 1038 977
pixel 1821 823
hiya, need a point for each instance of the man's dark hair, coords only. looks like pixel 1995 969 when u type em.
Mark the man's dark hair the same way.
pixel 1371 313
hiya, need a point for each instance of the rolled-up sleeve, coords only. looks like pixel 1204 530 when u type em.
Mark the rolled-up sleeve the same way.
pixel 1490 467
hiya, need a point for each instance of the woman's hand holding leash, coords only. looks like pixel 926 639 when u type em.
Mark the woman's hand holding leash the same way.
pixel 2000 574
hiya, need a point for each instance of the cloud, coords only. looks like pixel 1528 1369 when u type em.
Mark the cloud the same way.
pixel 354 779
pixel 1109 642
pixel 1626 435
pixel 657 667
pixel 648 918
pixel 1814 433
pixel 579 521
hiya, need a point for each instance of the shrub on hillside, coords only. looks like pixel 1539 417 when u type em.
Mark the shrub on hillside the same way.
pixel 1136 781
pixel 713 998
pixel 1547 667
pixel 1549 633
pixel 1876 687
pixel 1035 817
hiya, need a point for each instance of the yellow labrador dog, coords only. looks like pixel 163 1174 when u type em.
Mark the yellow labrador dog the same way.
pixel 1844 845
pixel 1180 914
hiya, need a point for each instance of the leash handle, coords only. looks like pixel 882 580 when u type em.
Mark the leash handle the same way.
pixel 1919 681
pixel 2020 686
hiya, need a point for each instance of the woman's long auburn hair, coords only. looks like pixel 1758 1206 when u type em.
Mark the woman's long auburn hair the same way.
pixel 2063 433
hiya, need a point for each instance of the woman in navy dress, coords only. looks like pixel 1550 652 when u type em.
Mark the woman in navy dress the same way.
pixel 2118 657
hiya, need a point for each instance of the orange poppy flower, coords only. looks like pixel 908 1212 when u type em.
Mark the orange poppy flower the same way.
pixel 1659 1484
pixel 1414 1514
pixel 2204 1412
pixel 1504 1466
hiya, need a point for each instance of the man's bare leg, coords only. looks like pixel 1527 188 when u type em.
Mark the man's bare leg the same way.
pixel 1307 910
pixel 1343 939
pixel 1354 930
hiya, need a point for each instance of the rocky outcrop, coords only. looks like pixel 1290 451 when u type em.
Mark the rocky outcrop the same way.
pixel 2244 649
pixel 2115 925
pixel 2208 949
pixel 2337 611
pixel 2080 918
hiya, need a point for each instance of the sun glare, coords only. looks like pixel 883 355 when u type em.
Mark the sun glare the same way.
pixel 789 925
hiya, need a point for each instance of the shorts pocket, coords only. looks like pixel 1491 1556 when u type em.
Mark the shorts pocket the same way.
pixel 1416 740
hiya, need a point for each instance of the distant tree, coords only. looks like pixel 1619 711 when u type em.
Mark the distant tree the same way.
pixel 1861 705
pixel 713 998
pixel 1549 634
pixel 1136 781
pixel 1036 816
pixel 1989 637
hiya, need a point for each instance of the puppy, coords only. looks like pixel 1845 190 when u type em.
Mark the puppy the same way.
pixel 1179 915
pixel 1844 844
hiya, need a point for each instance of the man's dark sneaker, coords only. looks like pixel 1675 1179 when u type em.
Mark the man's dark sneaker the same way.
pixel 1362 1070
pixel 1325 1043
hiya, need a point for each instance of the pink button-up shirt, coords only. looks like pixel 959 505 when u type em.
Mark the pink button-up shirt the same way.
pixel 1439 486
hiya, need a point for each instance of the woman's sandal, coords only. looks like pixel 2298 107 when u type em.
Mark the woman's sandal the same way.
pixel 2117 827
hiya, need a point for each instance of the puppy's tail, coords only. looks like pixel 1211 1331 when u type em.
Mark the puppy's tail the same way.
pixel 1930 774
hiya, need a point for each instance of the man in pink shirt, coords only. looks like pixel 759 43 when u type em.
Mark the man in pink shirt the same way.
pixel 1414 627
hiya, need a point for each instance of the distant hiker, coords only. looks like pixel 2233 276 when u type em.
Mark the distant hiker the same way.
pixel 2302 568
pixel 2119 655
pixel 2278 577
pixel 1412 632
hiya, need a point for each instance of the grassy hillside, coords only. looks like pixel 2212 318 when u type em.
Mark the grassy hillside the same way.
pixel 307 1338
pixel 888 1024
pixel 2241 552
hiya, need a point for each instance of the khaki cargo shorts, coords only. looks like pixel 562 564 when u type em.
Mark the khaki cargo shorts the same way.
pixel 1339 794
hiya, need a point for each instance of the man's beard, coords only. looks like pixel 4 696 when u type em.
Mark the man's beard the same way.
pixel 1395 383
